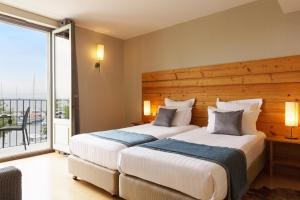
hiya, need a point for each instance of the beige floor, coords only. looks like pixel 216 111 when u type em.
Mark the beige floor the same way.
pixel 46 177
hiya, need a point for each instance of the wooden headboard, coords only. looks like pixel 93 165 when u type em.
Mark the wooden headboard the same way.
pixel 275 80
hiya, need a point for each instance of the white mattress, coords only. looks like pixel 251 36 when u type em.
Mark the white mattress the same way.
pixel 198 178
pixel 105 152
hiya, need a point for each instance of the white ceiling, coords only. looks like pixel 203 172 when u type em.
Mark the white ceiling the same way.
pixel 125 18
pixel 128 18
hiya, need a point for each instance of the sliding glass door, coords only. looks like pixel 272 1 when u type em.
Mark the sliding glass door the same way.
pixel 37 73
pixel 24 67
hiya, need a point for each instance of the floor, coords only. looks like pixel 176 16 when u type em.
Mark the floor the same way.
pixel 277 182
pixel 57 184
pixel 46 177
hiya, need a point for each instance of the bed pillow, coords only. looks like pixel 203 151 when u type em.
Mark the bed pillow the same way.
pixel 236 106
pixel 246 104
pixel 187 103
pixel 211 118
pixel 165 117
pixel 228 123
pixel 251 101
pixel 183 116
pixel 249 120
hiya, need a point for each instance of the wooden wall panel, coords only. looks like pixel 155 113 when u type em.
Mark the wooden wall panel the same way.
pixel 275 80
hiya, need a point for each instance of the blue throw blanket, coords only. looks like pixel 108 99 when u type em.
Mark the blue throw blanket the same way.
pixel 127 138
pixel 232 160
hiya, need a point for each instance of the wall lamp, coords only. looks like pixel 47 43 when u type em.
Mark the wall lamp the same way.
pixel 99 55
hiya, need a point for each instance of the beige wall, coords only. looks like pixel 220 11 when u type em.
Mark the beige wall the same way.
pixel 254 31
pixel 101 93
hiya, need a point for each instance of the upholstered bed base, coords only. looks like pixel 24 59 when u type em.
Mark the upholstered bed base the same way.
pixel 102 177
pixel 133 188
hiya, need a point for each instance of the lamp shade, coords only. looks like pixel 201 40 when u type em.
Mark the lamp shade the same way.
pixel 291 113
pixel 147 108
pixel 100 52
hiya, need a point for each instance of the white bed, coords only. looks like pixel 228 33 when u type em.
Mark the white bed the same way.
pixel 105 152
pixel 196 178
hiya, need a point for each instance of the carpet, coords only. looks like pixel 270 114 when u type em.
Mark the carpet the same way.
pixel 265 193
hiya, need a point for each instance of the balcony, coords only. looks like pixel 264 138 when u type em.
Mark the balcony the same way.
pixel 36 125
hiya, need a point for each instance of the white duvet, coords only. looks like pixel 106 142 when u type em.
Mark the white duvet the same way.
pixel 105 152
pixel 198 178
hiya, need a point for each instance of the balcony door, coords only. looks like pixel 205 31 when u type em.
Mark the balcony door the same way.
pixel 24 85
pixel 62 87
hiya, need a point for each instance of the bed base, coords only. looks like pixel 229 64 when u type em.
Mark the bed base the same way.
pixel 102 177
pixel 134 188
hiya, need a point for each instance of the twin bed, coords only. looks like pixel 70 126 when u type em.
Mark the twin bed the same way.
pixel 192 177
pixel 96 159
pixel 167 167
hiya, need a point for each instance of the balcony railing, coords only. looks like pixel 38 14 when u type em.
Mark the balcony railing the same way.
pixel 36 123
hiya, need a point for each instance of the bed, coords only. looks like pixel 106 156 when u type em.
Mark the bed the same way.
pixel 95 159
pixel 152 174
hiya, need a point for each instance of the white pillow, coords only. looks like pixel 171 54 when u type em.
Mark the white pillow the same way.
pixel 248 121
pixel 183 115
pixel 245 104
pixel 211 118
pixel 250 101
pixel 229 106
pixel 187 103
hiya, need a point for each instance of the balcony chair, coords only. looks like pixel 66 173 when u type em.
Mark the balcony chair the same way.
pixel 22 128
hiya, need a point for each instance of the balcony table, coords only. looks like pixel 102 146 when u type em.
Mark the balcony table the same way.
pixel 6 116
pixel 17 128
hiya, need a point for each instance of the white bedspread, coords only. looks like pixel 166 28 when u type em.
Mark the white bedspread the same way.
pixel 197 178
pixel 105 152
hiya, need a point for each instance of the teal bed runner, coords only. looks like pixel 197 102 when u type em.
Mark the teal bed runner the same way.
pixel 127 138
pixel 232 160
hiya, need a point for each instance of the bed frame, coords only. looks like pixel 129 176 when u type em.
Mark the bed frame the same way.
pixel 276 80
pixel 102 177
pixel 129 187
pixel 134 188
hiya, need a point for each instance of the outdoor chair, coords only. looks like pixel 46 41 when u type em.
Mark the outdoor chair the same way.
pixel 22 128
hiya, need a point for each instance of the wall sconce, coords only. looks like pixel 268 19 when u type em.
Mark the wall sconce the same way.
pixel 99 55
pixel 147 108
pixel 291 116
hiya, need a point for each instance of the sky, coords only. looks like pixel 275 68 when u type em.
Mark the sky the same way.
pixel 23 59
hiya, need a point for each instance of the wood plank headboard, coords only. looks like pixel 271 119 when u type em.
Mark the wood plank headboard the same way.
pixel 275 80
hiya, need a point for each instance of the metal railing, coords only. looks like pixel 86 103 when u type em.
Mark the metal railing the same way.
pixel 36 123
